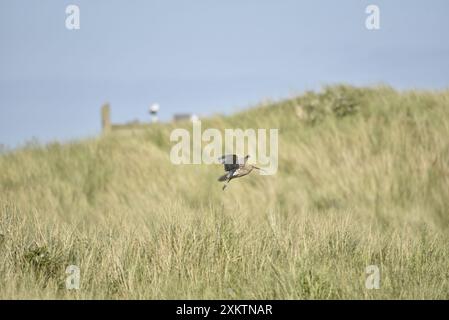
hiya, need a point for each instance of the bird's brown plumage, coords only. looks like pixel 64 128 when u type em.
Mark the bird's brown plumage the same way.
pixel 235 168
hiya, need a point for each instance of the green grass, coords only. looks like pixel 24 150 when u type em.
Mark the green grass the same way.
pixel 363 180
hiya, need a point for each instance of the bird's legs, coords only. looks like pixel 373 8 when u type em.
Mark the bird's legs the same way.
pixel 226 182
pixel 230 174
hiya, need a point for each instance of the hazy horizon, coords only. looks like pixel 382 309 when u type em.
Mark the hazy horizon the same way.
pixel 201 57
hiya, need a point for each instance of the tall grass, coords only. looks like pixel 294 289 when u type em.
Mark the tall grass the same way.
pixel 363 180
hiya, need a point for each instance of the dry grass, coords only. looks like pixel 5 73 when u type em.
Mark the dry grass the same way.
pixel 363 179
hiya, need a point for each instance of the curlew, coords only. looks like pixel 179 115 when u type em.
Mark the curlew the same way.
pixel 235 167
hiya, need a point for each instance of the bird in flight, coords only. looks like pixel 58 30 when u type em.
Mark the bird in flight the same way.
pixel 235 167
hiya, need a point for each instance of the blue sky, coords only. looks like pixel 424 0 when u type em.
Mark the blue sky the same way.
pixel 200 56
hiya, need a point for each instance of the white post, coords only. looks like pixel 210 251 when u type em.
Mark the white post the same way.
pixel 153 111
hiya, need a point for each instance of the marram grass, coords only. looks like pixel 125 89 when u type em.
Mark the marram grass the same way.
pixel 363 180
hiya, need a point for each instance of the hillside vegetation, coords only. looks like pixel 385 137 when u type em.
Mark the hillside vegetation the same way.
pixel 363 180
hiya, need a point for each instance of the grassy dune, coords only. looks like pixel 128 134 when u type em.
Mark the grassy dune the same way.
pixel 363 180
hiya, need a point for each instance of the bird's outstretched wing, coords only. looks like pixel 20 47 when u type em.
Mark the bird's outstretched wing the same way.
pixel 230 162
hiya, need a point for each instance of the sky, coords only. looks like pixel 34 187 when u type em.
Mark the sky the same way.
pixel 201 56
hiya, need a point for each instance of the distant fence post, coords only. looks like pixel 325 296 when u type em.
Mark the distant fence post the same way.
pixel 106 118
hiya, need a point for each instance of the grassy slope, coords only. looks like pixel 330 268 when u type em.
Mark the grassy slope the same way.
pixel 363 179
